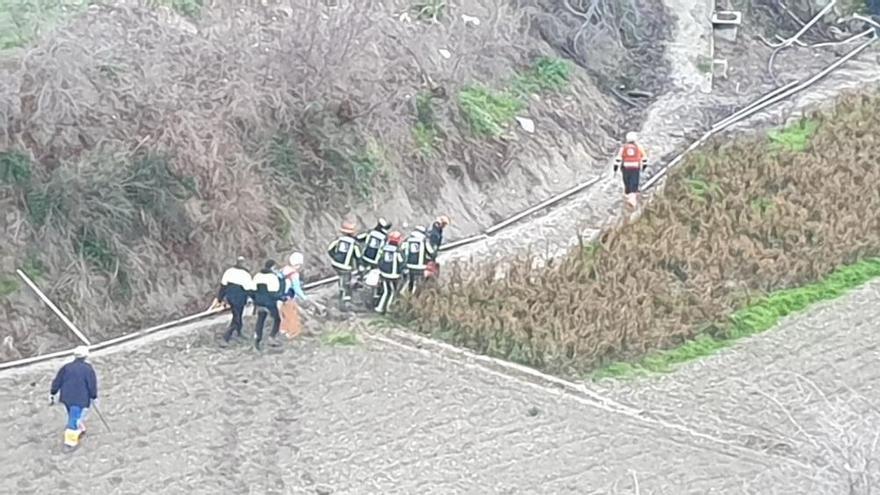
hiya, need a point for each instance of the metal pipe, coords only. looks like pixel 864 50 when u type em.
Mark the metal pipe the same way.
pixel 747 112
pixel 764 101
pixel 542 205
pixel 53 307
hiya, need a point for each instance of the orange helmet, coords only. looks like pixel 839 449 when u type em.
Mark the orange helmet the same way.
pixel 348 227
pixel 443 220
pixel 394 238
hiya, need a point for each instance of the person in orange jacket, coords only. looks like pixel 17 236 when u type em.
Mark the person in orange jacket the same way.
pixel 633 160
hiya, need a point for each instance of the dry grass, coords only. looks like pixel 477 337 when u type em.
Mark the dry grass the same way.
pixel 736 221
pixel 156 146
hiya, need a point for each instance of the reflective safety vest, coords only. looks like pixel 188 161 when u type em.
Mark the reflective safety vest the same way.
pixel 344 252
pixel 268 288
pixel 633 156
pixel 390 262
pixel 417 250
pixel 373 245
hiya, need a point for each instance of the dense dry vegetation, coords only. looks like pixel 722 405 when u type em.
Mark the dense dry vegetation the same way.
pixel 145 144
pixel 736 221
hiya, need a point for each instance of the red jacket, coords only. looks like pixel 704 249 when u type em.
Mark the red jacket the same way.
pixel 632 156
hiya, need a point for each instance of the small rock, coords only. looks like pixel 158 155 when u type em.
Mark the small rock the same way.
pixel 533 411
pixel 445 53
pixel 323 490
pixel 470 20
pixel 527 124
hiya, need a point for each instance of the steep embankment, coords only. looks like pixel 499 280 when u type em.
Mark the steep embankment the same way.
pixel 142 150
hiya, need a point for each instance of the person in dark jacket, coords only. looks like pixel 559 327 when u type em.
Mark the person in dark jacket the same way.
pixel 419 250
pixel 235 286
pixel 266 297
pixel 372 243
pixel 345 257
pixel 391 264
pixel 78 386
pixel 435 235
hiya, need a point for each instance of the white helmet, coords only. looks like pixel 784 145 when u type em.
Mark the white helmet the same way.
pixel 420 228
pixel 631 137
pixel 81 352
pixel 296 259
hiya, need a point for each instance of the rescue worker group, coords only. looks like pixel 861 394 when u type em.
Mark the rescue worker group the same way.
pixel 380 259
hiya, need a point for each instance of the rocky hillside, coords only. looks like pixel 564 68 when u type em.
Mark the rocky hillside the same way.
pixel 144 145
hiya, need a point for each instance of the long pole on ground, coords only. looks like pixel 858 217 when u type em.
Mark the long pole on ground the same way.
pixel 53 307
pixel 101 416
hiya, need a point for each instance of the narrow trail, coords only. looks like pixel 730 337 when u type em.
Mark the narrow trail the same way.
pixel 388 417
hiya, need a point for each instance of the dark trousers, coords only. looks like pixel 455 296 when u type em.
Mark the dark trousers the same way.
pixel 262 312
pixel 631 180
pixel 235 326
pixel 414 279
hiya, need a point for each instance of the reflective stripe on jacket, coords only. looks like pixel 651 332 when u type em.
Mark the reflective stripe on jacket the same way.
pixel 391 262
pixel 417 251
pixel 373 243
pixel 344 253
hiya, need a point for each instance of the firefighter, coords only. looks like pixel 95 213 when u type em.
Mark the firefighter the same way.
pixel 418 251
pixel 633 159
pixel 235 287
pixel 372 242
pixel 266 296
pixel 435 235
pixel 391 263
pixel 345 254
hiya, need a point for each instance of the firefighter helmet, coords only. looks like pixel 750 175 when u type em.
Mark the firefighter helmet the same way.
pixel 394 238
pixel 631 137
pixel 348 227
pixel 384 224
pixel 443 220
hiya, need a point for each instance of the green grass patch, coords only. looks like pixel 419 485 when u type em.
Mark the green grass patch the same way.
pixel 429 10
pixel 340 338
pixel 8 285
pixel 283 157
pixel 33 267
pixel 426 132
pixel 22 21
pixel 755 318
pixel 488 112
pixel 793 138
pixel 546 74
pixel 15 168
pixel 367 168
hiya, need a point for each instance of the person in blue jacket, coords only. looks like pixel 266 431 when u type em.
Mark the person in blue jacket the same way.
pixel 78 385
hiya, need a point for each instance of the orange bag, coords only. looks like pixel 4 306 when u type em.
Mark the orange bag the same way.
pixel 290 324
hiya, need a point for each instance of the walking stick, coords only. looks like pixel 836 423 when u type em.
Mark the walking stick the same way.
pixel 101 416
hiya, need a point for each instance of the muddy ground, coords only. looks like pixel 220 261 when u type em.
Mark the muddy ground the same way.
pixel 381 417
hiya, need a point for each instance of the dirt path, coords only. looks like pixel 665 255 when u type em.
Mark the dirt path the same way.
pixel 381 418
pixel 188 418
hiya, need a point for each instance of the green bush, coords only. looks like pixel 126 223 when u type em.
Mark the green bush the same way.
pixel 487 112
pixel 546 74
pixel 15 168
pixel 795 137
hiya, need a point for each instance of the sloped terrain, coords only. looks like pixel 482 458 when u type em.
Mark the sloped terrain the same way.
pixel 736 221
pixel 144 149
pixel 378 418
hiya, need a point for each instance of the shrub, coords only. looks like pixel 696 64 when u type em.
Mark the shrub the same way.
pixel 487 112
pixel 736 221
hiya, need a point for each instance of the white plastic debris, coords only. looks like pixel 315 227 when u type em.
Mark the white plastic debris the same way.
pixel 470 19
pixel 445 53
pixel 528 125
